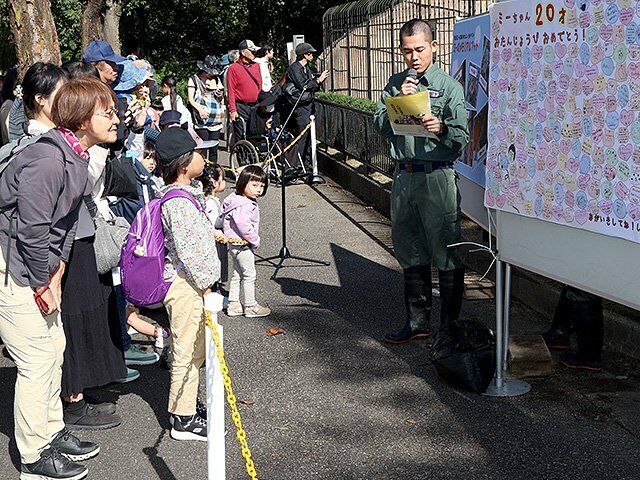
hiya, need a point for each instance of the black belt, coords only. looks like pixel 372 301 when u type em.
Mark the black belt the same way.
pixel 248 104
pixel 423 167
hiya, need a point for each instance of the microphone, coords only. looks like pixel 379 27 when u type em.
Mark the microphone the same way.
pixel 412 73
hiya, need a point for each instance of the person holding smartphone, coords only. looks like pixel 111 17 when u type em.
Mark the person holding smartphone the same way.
pixel 300 85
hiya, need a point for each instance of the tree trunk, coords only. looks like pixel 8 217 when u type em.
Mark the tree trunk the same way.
pixel 92 28
pixel 101 21
pixel 34 33
pixel 112 16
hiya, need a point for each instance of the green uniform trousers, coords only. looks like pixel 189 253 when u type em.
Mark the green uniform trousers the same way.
pixel 425 218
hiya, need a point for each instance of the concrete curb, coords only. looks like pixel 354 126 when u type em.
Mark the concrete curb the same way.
pixel 622 331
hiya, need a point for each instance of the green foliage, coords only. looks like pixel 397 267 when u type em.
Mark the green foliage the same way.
pixel 174 34
pixel 68 17
pixel 353 102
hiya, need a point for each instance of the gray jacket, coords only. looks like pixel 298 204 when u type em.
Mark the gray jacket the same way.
pixel 40 193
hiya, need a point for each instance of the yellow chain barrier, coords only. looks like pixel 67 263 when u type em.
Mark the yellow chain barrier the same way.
pixel 231 399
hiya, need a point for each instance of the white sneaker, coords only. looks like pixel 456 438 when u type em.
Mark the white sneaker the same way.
pixel 235 312
pixel 257 310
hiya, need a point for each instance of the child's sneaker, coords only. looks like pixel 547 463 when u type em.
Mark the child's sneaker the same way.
pixel 257 310
pixel 189 428
pixel 234 309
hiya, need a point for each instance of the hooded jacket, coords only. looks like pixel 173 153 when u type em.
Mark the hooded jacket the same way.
pixel 240 218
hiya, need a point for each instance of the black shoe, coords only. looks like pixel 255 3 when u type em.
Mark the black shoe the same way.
pixel 100 407
pixel 201 410
pixel 73 448
pixel 52 465
pixel 406 335
pixel 557 339
pixel 86 417
pixel 574 360
pixel 189 428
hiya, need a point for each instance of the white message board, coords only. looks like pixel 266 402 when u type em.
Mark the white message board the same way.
pixel 564 113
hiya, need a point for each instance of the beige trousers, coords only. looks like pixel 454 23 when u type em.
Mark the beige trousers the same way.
pixel 37 346
pixel 186 318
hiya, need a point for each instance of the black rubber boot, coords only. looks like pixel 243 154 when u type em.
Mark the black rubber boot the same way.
pixel 417 302
pixel 590 330
pixel 451 291
pixel 558 337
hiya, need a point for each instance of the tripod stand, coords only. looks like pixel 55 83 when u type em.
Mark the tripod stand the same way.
pixel 285 253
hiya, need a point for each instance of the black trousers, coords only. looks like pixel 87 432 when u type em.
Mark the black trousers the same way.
pixel 240 125
pixel 210 154
pixel 299 120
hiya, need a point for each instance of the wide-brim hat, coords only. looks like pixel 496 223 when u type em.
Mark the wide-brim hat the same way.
pixel 210 64
pixel 130 77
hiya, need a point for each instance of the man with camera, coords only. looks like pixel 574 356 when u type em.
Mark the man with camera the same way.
pixel 300 85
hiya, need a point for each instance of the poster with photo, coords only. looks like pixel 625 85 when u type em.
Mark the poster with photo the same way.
pixel 564 113
pixel 470 57
pixel 484 66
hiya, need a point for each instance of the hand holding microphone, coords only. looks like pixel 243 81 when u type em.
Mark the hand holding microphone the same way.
pixel 410 84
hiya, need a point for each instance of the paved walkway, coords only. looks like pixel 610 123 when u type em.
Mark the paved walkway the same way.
pixel 329 400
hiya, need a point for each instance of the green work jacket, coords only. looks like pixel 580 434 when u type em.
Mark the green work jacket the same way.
pixel 447 103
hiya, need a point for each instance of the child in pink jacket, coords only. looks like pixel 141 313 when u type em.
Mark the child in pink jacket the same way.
pixel 239 221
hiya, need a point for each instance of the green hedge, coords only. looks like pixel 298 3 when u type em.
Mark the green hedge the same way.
pixel 353 102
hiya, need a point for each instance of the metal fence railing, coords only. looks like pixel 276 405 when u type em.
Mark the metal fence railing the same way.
pixel 351 132
pixel 361 43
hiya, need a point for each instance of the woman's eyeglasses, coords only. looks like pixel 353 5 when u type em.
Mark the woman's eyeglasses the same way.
pixel 111 113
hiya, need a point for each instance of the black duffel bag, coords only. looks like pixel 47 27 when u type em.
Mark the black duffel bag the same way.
pixel 464 354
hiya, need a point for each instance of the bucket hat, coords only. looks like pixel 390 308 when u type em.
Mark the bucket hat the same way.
pixel 210 64
pixel 131 77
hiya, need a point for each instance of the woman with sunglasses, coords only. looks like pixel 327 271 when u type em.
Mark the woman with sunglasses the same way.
pixel 40 195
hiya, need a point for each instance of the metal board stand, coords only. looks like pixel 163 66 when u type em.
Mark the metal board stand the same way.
pixel 503 384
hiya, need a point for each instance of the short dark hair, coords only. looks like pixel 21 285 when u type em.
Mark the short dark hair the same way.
pixel 251 173
pixel 150 150
pixel 40 78
pixel 9 84
pixel 414 27
pixel 77 69
pixel 264 49
pixel 171 169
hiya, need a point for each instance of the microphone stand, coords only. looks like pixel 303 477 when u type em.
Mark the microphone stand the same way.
pixel 285 253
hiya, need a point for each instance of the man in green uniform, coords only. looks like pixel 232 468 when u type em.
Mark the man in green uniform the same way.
pixel 425 201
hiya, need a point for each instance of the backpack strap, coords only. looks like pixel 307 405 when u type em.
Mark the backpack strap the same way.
pixel 179 193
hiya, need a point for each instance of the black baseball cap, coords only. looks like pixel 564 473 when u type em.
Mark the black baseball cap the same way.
pixel 172 143
pixel 169 117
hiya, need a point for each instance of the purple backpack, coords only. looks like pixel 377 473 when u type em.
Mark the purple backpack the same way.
pixel 142 258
